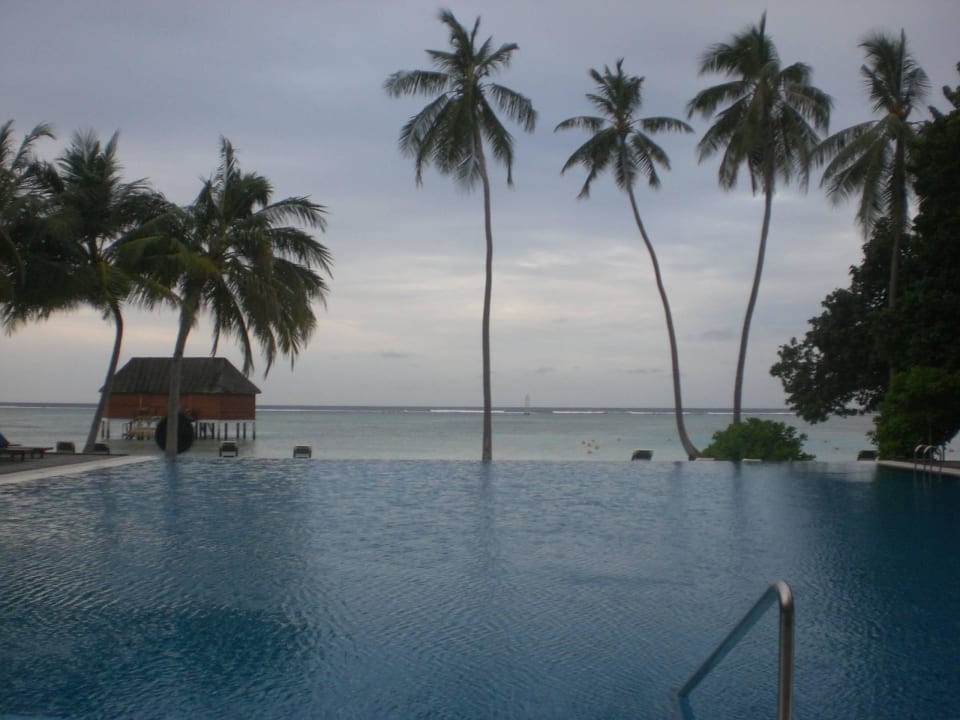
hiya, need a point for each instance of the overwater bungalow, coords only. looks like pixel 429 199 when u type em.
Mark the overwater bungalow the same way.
pixel 213 394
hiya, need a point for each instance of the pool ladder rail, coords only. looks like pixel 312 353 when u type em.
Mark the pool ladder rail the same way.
pixel 779 593
pixel 928 459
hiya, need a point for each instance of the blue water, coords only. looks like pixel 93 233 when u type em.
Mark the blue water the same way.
pixel 342 589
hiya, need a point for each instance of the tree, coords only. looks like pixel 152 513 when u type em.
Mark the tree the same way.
pixel 873 158
pixel 234 256
pixel 841 366
pixel 92 219
pixel 620 142
pixel 770 126
pixel 452 131
pixel 19 202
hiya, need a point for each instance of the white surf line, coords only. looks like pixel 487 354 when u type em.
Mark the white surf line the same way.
pixel 74 469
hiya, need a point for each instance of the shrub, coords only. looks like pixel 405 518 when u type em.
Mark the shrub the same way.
pixel 922 407
pixel 760 439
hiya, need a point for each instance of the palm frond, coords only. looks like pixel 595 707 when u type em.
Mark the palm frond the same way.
pixel 416 82
pixel 514 105
pixel 583 122
pixel 446 131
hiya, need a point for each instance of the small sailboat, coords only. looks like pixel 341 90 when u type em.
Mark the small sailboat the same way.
pixel 526 404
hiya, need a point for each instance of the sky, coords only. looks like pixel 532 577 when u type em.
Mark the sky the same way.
pixel 297 87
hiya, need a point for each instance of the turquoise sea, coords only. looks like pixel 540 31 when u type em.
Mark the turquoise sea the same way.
pixel 424 433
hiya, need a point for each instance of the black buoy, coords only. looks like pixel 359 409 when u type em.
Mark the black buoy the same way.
pixel 184 433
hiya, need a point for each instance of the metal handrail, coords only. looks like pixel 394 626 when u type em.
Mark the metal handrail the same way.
pixel 780 593
pixel 929 457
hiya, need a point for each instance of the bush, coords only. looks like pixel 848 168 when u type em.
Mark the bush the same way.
pixel 759 439
pixel 922 407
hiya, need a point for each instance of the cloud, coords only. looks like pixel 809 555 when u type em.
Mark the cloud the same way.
pixel 574 299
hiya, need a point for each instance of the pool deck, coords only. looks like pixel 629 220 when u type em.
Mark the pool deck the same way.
pixel 54 464
pixel 950 467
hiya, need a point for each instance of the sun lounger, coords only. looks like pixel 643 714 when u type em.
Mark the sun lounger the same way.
pixel 64 446
pixel 20 452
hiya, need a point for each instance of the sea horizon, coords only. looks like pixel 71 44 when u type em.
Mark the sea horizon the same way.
pixel 559 409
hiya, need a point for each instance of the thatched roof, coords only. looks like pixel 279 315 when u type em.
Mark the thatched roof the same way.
pixel 199 376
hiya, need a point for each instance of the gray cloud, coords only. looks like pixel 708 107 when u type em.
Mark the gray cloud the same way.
pixel 298 88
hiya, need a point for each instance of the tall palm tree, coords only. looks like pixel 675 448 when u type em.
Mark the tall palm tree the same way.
pixel 769 124
pixel 19 201
pixel 872 159
pixel 91 217
pixel 235 257
pixel 451 132
pixel 620 142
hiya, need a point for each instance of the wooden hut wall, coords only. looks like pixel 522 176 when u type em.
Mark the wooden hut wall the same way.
pixel 205 407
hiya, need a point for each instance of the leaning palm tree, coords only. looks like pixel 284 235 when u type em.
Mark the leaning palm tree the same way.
pixel 769 124
pixel 620 142
pixel 92 219
pixel 19 201
pixel 872 159
pixel 235 257
pixel 451 133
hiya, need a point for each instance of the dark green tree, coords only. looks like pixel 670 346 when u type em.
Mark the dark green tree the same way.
pixel 452 131
pixel 922 407
pixel 768 123
pixel 234 255
pixel 841 366
pixel 621 142
pixel 92 223
pixel 20 204
pixel 872 158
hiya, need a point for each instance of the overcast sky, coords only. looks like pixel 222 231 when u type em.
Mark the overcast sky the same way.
pixel 297 88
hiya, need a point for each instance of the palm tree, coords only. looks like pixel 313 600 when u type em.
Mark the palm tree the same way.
pixel 770 125
pixel 237 259
pixel 92 221
pixel 452 131
pixel 18 201
pixel 873 158
pixel 620 142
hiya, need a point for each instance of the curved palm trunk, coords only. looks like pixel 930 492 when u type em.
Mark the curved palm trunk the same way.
pixel 114 361
pixel 486 454
pixel 173 394
pixel 688 446
pixel 745 333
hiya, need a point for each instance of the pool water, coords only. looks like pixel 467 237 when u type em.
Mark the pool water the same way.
pixel 343 589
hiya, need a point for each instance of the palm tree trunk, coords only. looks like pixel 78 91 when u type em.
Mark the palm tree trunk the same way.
pixel 173 394
pixel 745 333
pixel 898 188
pixel 688 446
pixel 114 361
pixel 486 454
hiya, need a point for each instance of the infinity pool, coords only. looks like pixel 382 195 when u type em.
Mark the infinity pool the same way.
pixel 309 589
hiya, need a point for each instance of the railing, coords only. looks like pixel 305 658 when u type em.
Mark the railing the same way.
pixel 929 458
pixel 779 592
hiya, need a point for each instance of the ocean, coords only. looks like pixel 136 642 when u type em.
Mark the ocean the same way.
pixel 449 433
